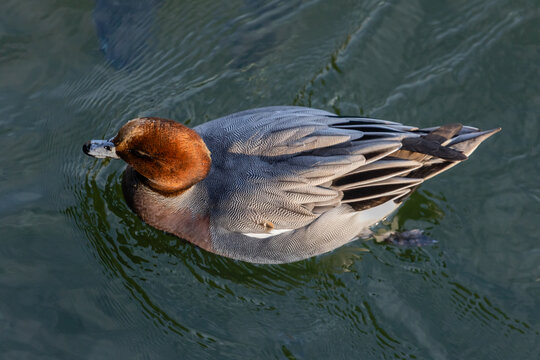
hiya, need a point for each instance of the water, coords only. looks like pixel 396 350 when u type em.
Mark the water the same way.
pixel 82 278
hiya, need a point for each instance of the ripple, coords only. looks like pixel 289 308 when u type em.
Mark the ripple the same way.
pixel 376 301
pixel 160 270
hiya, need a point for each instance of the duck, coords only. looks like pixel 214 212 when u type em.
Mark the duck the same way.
pixel 278 184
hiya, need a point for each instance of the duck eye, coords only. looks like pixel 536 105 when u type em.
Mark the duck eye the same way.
pixel 141 154
pixel 107 147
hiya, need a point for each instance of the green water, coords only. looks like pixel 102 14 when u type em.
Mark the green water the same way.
pixel 81 277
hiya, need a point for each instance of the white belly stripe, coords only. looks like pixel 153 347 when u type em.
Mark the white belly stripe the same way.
pixel 265 235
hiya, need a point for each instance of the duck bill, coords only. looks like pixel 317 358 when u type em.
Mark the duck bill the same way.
pixel 100 149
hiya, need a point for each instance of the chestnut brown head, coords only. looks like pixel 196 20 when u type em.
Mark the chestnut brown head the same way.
pixel 170 156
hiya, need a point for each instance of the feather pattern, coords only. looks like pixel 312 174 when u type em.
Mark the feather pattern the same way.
pixel 287 183
pixel 299 161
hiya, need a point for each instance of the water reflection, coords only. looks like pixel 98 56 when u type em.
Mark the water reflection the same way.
pixel 123 28
pixel 259 29
pixel 455 297
pixel 112 244
pixel 173 280
pixel 160 270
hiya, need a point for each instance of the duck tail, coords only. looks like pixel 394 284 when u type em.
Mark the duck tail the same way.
pixel 395 174
pixel 441 148
pixel 468 142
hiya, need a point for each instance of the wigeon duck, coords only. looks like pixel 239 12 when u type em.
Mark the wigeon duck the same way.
pixel 277 184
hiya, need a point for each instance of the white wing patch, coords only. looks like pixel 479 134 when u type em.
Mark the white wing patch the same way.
pixel 265 235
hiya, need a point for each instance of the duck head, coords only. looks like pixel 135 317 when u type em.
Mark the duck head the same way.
pixel 168 155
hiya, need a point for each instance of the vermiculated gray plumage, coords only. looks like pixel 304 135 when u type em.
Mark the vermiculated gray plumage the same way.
pixel 324 178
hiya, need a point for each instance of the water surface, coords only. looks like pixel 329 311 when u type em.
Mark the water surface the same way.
pixel 81 277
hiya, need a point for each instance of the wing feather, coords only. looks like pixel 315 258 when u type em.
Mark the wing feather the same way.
pixel 296 163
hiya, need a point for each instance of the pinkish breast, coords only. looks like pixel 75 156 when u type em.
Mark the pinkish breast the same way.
pixel 166 213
